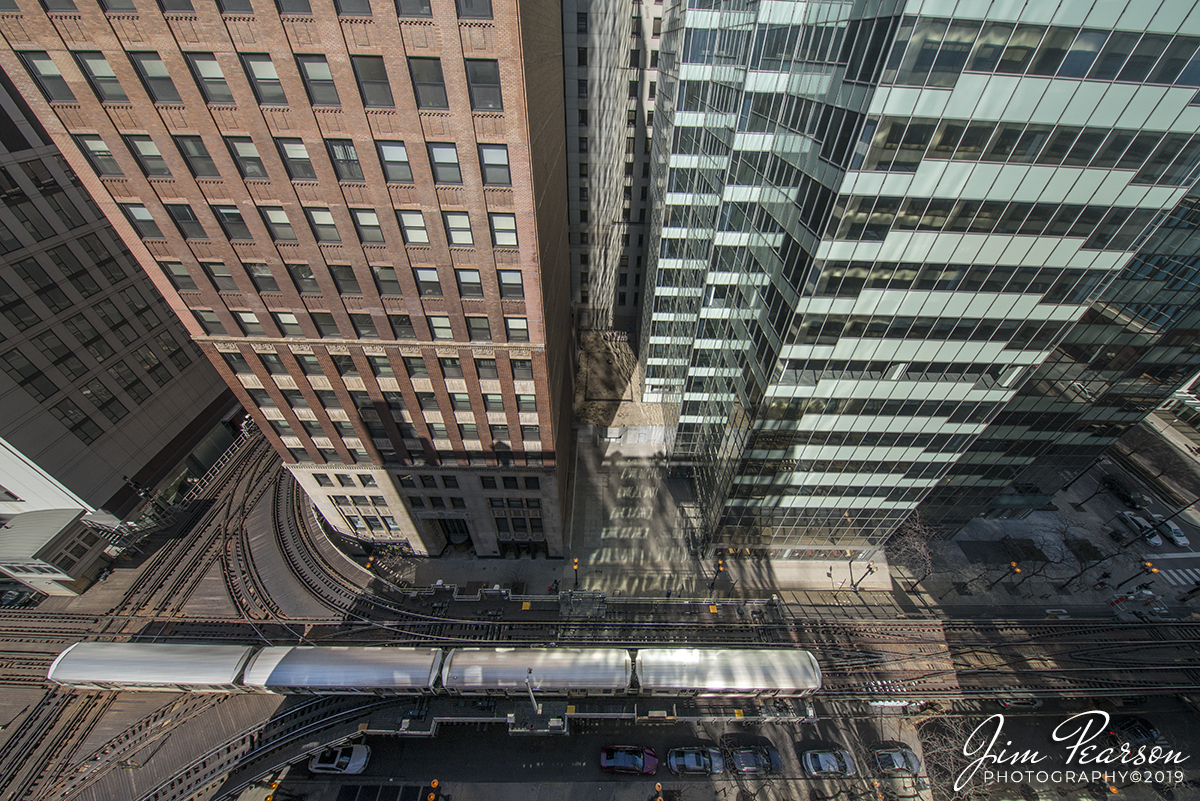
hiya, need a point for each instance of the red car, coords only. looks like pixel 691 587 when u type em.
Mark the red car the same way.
pixel 628 759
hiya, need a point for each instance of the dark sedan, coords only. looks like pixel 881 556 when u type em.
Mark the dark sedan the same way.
pixel 628 759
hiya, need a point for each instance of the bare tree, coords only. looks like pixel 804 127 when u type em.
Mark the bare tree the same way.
pixel 942 740
pixel 910 547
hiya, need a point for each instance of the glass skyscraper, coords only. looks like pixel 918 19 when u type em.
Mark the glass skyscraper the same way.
pixel 896 252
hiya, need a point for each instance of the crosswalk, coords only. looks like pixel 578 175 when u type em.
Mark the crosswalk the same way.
pixel 1182 577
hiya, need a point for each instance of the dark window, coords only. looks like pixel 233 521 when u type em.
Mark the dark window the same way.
pixel 474 9
pixel 263 77
pixel 220 276
pixel 443 159
pixel 366 222
pixel 293 7
pixel 486 369
pixel 230 219
pixel 197 158
pixel 385 279
pixel 154 73
pixel 323 226
pixel 415 367
pixel 364 326
pixel 178 275
pixel 102 78
pixel 522 369
pixel 478 329
pixel 261 275
pixel 373 81
pixel 394 158
pixel 28 375
pixel 483 81
pixel 402 327
pixel 98 154
pixel 345 159
pixel 71 416
pixel 318 80
pixel 493 163
pixel 326 325
pixel 452 368
pixel 277 223
pixel 414 8
pixel 186 221
pixel 209 77
pixel 49 79
pixel 354 8
pixel 235 6
pixel 428 84
pixel 344 279
pixel 470 285
pixel 516 329
pixel 139 217
pixel 427 282
pixel 245 155
pixel 303 278
pixel 147 154
pixel 296 160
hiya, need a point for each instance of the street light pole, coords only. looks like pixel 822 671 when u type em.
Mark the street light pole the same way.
pixel 1147 569
pixel 870 569
pixel 576 568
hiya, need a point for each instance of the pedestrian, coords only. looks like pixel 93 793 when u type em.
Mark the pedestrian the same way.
pixel 668 593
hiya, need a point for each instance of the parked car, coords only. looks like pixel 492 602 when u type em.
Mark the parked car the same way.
pixel 347 759
pixel 1134 499
pixel 1134 730
pixel 695 761
pixel 896 759
pixel 832 763
pixel 1171 531
pixel 628 759
pixel 1020 702
pixel 1139 526
pixel 9 598
pixel 755 760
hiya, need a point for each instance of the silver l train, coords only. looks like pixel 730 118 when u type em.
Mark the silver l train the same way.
pixel 332 670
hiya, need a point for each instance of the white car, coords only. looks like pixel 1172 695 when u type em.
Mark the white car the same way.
pixel 347 759
pixel 1139 526
pixel 1171 531
pixel 697 761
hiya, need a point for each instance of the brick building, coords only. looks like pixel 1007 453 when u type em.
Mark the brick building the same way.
pixel 359 212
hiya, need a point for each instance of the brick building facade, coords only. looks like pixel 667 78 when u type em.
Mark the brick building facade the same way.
pixel 359 213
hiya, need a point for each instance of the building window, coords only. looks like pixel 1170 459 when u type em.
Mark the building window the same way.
pixel 353 8
pixel 443 158
pixel 493 163
pixel 196 155
pixel 230 219
pixel 452 368
pixel 98 154
pixel 402 327
pixel 510 284
pixel 531 433
pixel 415 367
pixel 344 279
pixel 326 325
pixel 517 329
pixel 148 156
pixel 293 7
pixel 478 329
pixel 102 78
pixel 428 284
pixel 318 80
pixel 71 416
pixel 394 158
pixel 504 230
pixel 296 160
pixel 245 155
pixel 323 226
pixel 277 223
pixel 500 431
pixel 345 159
pixel 428 84
pixel 522 369
pixel 288 324
pixel 209 77
pixel 385 279
pixel 483 83
pixel 366 221
pixel 486 369
pixel 303 278
pixel 48 77
pixel 261 275
pixel 373 81
pixel 139 217
pixel 458 229
pixel 470 285
pixel 364 326
pixel 414 8
pixel 250 324
pixel 412 226
pixel 209 322
pixel 186 221
pixel 264 79
pixel 583 144
pixel 582 87
pixel 178 275
pixel 474 9
pixel 439 327
pixel 28 375
pixel 155 76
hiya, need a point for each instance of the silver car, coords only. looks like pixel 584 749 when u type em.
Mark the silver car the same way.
pixel 1171 531
pixel 1139 526
pixel 695 761
pixel 828 764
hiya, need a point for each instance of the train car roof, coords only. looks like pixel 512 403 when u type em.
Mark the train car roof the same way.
pixel 341 666
pixel 553 668
pixel 149 664
pixel 788 669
